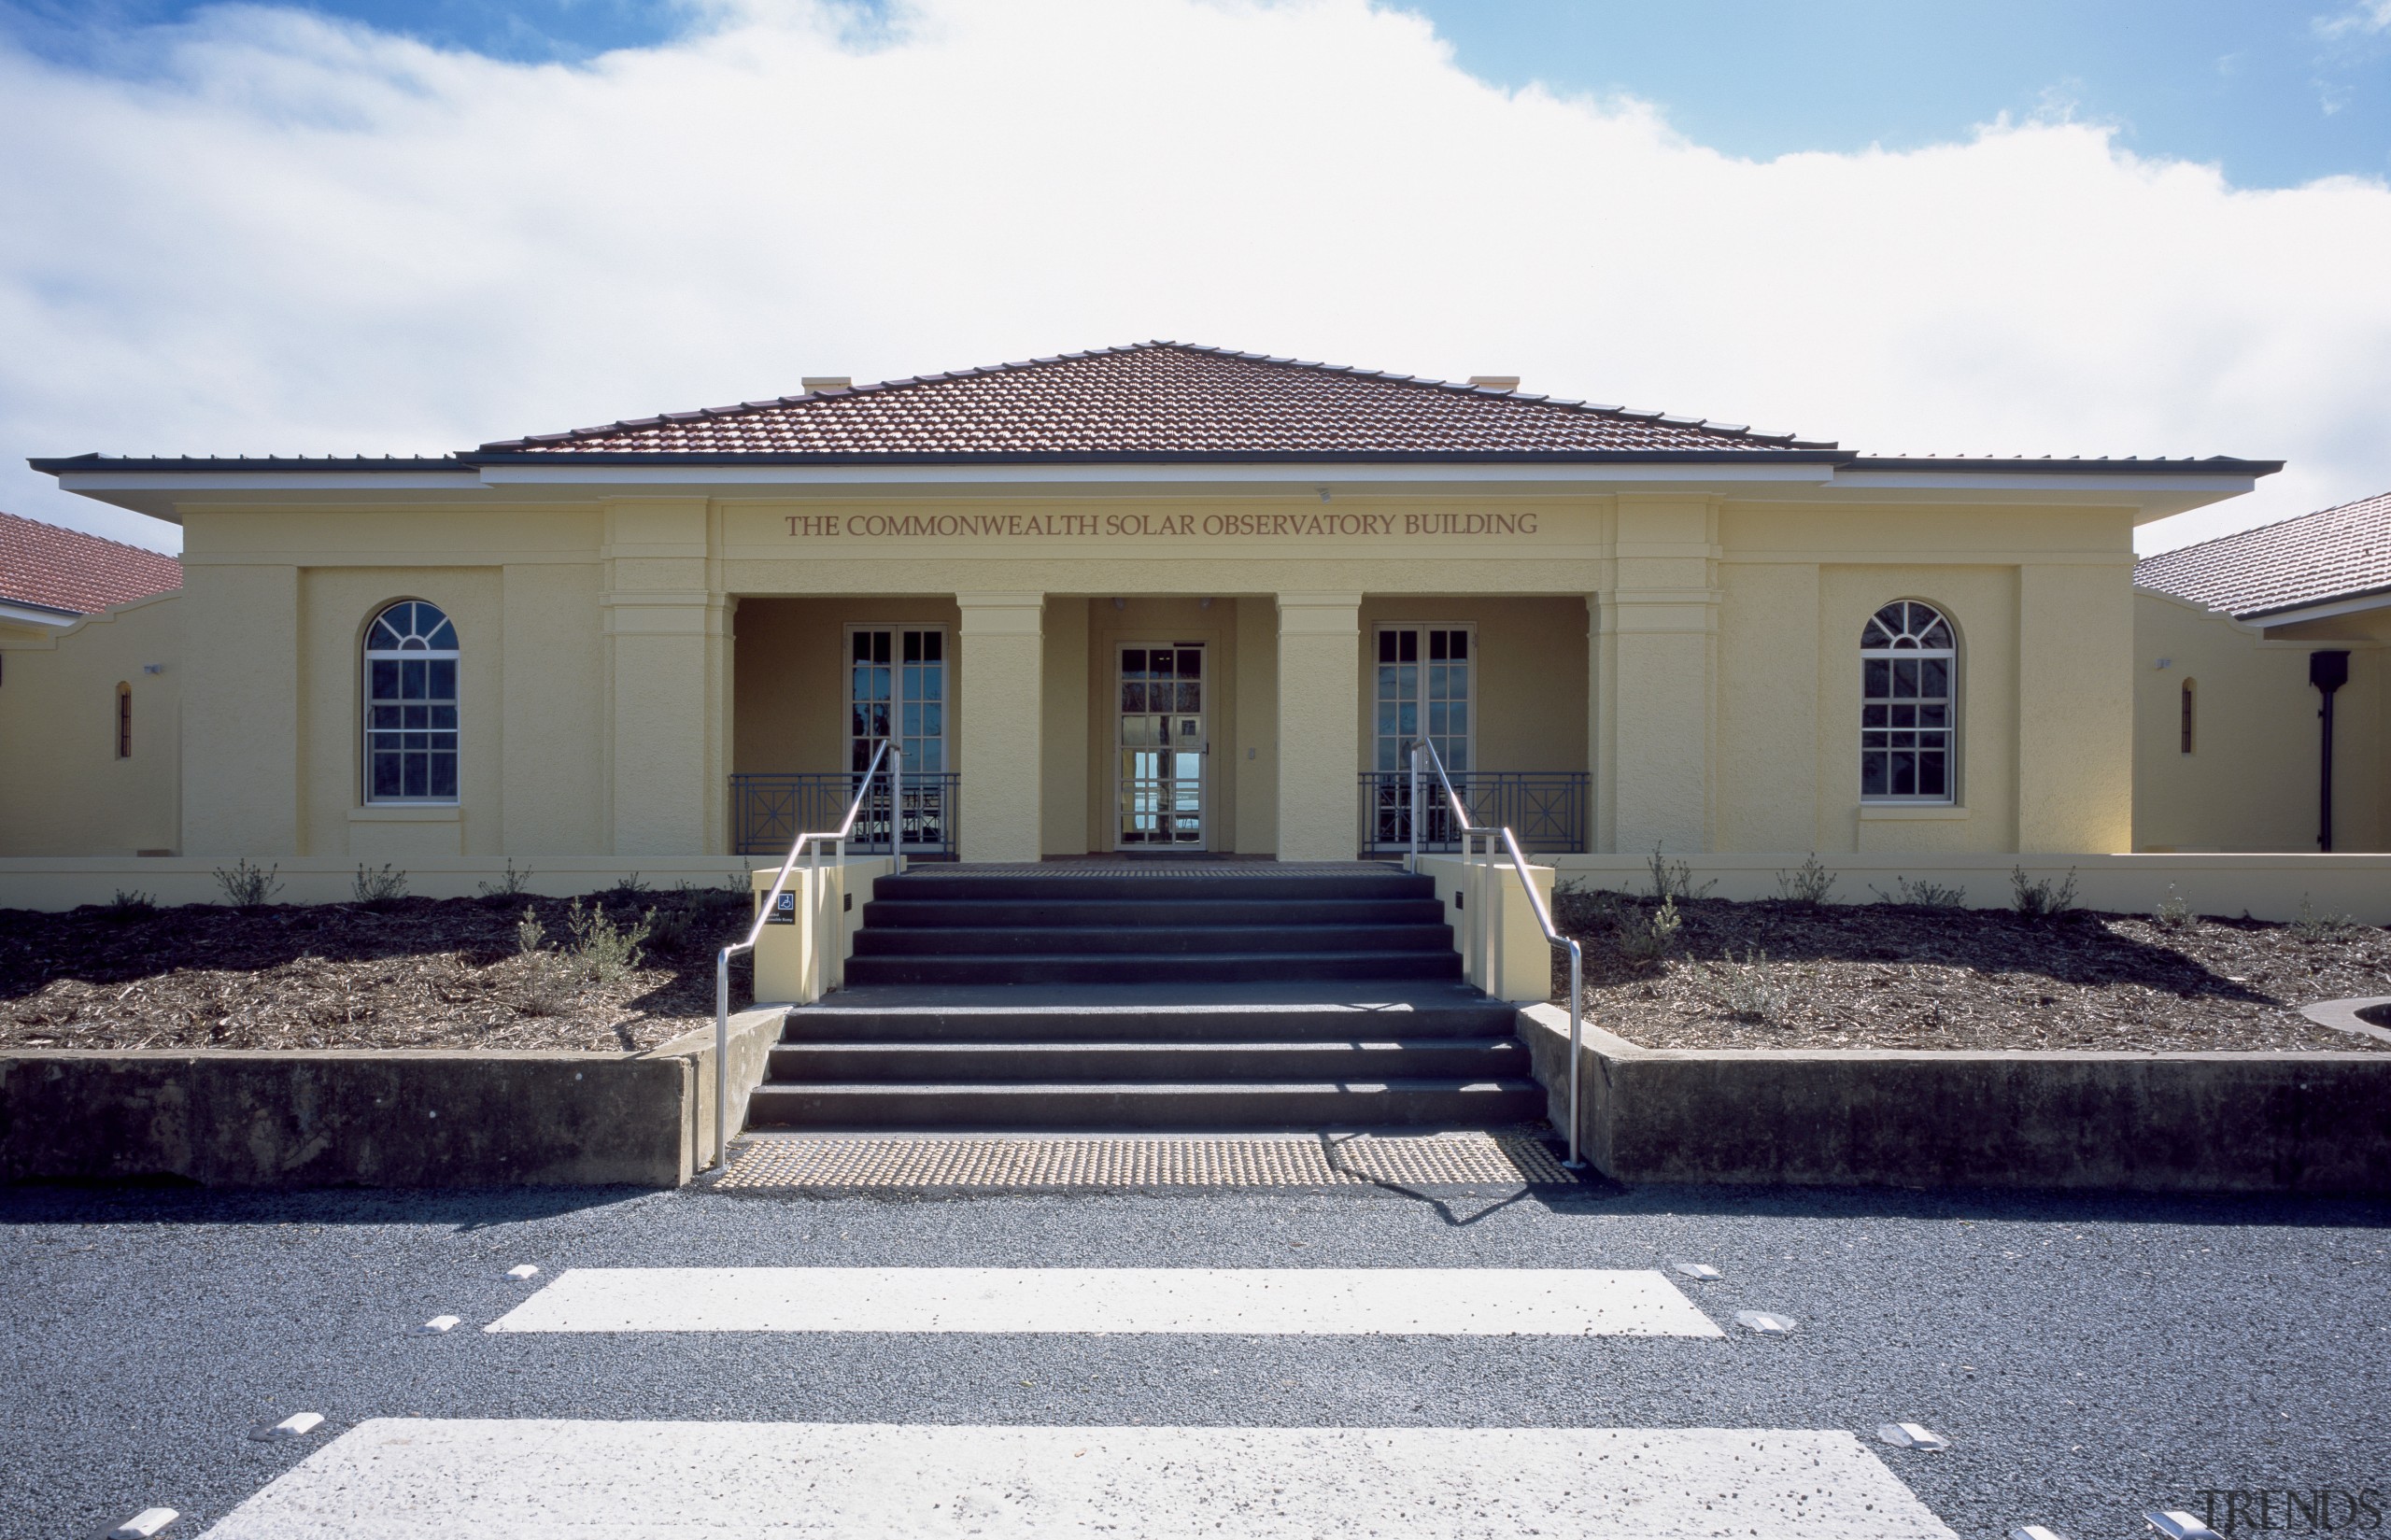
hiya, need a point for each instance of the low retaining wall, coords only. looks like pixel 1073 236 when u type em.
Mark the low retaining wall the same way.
pixel 2158 1122
pixel 343 1118
pixel 2269 886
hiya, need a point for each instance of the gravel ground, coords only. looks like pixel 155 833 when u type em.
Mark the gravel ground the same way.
pixel 1880 975
pixel 2090 1358
pixel 413 973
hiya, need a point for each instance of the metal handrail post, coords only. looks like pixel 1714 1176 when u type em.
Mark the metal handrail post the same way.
pixel 897 806
pixel 809 846
pixel 1411 813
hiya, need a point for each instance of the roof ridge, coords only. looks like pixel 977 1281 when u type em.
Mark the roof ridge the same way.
pixel 1741 432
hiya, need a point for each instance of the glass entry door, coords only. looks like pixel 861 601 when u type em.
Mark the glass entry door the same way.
pixel 1160 744
pixel 896 690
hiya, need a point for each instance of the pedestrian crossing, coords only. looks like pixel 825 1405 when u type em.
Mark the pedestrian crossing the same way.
pixel 1255 1301
pixel 465 1479
pixel 396 1478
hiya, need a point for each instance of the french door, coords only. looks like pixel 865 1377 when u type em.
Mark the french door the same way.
pixel 1424 686
pixel 1161 739
pixel 896 690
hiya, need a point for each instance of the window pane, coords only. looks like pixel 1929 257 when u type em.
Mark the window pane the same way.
pixel 386 775
pixel 1904 678
pixel 444 678
pixel 1191 697
pixel 1437 645
pixel 1133 697
pixel 913 646
pixel 1133 662
pixel 416 775
pixel 1191 663
pixel 934 678
pixel 1875 679
pixel 933 719
pixel 1407 646
pixel 444 638
pixel 411 679
pixel 933 646
pixel 1934 676
pixel 443 775
pixel 1386 646
pixel 1929 775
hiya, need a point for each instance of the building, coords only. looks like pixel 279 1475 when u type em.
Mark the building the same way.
pixel 2240 644
pixel 89 722
pixel 1155 598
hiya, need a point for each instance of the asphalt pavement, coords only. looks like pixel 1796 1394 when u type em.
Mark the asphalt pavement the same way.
pixel 2088 1358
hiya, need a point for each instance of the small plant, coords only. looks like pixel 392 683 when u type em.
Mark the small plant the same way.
pixel 1811 883
pixel 380 891
pixel 530 934
pixel 2174 911
pixel 629 887
pixel 1674 879
pixel 602 949
pixel 506 889
pixel 1924 895
pixel 245 887
pixel 1644 937
pixel 1747 989
pixel 2313 926
pixel 2042 898
pixel 128 908
pixel 669 929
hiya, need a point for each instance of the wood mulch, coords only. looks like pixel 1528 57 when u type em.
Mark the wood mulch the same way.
pixel 423 973
pixel 1776 974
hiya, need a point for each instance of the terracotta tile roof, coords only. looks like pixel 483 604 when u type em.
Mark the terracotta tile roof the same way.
pixel 1160 401
pixel 57 569
pixel 2338 553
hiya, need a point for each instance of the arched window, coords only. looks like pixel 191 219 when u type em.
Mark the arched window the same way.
pixel 411 705
pixel 1907 660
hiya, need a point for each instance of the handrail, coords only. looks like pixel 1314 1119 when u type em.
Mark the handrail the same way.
pixel 1469 833
pixel 889 751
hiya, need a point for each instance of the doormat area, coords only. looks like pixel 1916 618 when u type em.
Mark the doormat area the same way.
pixel 1090 1162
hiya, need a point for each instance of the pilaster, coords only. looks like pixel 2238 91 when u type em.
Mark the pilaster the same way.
pixel 1319 732
pixel 667 663
pixel 1000 735
pixel 1654 672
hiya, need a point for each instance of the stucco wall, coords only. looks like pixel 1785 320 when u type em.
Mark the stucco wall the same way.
pixel 2250 780
pixel 64 789
pixel 1694 650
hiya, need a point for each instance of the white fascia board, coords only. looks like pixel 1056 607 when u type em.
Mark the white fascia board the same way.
pixel 1299 477
pixel 2043 481
pixel 37 614
pixel 2328 611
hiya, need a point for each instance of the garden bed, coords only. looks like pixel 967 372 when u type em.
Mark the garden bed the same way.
pixel 1788 974
pixel 406 973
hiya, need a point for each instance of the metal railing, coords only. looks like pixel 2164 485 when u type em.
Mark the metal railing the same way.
pixel 769 808
pixel 808 845
pixel 1546 807
pixel 1424 758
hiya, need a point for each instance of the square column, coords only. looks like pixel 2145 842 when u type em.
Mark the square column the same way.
pixel 1000 750
pixel 1319 727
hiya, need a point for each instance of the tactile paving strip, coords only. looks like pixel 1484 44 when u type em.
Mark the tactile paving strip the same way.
pixel 1015 1164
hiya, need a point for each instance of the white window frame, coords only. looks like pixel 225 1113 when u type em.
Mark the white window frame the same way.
pixel 1477 705
pixel 368 655
pixel 1894 654
pixel 1205 797
pixel 896 630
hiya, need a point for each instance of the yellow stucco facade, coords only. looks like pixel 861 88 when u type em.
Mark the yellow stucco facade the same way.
pixel 1686 651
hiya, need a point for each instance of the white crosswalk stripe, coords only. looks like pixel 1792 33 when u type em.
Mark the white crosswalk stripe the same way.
pixel 465 1479
pixel 1318 1301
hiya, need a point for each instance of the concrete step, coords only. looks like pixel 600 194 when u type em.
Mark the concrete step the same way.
pixel 1193 912
pixel 1100 940
pixel 1402 1102
pixel 1149 1063
pixel 1139 968
pixel 1201 884
pixel 837 1020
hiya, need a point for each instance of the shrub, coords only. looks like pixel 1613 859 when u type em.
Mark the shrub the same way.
pixel 1747 989
pixel 1812 883
pixel 380 890
pixel 1647 936
pixel 127 908
pixel 2174 912
pixel 247 887
pixel 2041 899
pixel 506 889
pixel 1674 879
pixel 628 887
pixel 2313 926
pixel 602 949
pixel 1924 895
pixel 530 934
pixel 669 929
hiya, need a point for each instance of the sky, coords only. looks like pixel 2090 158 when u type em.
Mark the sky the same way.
pixel 373 226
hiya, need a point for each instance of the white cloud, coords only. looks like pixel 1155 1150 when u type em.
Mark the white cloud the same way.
pixel 275 234
pixel 2368 16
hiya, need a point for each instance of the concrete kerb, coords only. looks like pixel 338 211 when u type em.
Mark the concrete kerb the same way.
pixel 2175 1122
pixel 350 1118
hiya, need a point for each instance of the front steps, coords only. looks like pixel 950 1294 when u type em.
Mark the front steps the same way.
pixel 1159 1001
